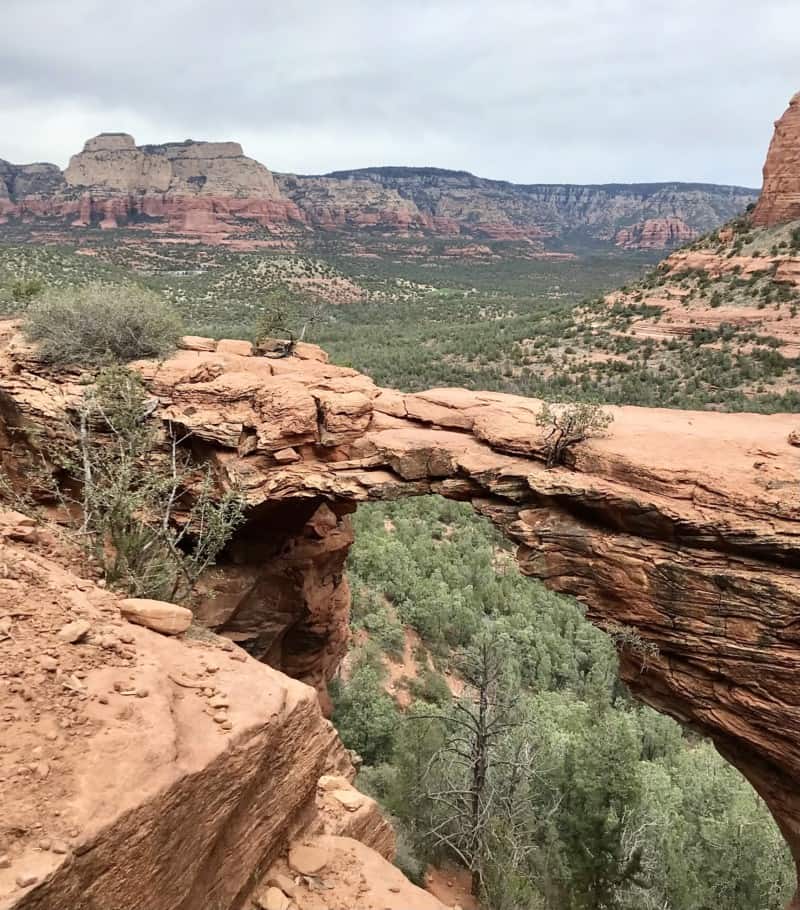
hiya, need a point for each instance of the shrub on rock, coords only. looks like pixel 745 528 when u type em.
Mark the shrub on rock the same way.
pixel 101 323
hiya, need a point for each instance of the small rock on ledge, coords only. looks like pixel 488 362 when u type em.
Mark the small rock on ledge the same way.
pixel 167 618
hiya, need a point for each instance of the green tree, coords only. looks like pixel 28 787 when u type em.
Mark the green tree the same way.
pixel 365 716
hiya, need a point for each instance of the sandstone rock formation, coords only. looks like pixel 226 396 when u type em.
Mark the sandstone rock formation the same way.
pixel 352 876
pixel 780 197
pixel 204 189
pixel 138 770
pixel 456 201
pixel 112 161
pixel 212 192
pixel 655 234
pixel 683 527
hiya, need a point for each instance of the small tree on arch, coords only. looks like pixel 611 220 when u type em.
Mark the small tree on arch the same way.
pixel 568 425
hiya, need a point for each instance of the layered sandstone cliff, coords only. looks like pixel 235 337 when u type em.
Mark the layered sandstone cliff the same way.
pixel 459 201
pixel 203 189
pixel 780 197
pixel 681 526
pixel 655 234
pixel 212 191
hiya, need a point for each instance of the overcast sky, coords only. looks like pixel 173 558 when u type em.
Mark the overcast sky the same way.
pixel 577 91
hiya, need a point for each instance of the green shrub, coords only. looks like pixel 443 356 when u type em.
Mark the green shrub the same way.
pixel 23 290
pixel 101 323
pixel 431 687
pixel 130 496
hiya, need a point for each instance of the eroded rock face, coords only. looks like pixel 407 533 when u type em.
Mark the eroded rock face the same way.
pixel 681 526
pixel 113 161
pixel 212 192
pixel 204 189
pixel 780 197
pixel 655 234
pixel 139 770
pixel 453 202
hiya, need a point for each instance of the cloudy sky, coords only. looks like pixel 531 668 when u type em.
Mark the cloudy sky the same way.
pixel 528 90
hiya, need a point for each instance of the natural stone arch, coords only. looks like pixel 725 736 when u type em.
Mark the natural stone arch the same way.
pixel 684 526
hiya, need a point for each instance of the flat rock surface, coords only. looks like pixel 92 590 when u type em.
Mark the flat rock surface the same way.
pixel 354 876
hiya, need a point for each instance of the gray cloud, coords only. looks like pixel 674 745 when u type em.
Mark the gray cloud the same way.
pixel 526 90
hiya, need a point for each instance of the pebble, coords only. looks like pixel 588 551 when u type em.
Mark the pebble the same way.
pixel 103 699
pixel 45 844
pixel 25 881
pixel 59 847
pixel 273 899
pixel 142 692
pixel 240 655
pixel 49 663
pixel 5 861
pixel 73 632
pixel 226 725
pixel 284 882
pixel 219 701
pixel 308 859
pixel 220 718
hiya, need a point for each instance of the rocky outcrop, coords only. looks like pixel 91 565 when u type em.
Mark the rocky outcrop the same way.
pixel 212 192
pixel 113 162
pixel 454 202
pixel 680 531
pixel 204 189
pixel 780 197
pixel 348 875
pixel 655 234
pixel 137 769
pixel 715 285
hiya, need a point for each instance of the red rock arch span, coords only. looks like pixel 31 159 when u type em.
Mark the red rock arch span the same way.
pixel 683 525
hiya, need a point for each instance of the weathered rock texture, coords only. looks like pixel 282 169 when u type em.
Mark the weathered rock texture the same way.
pixel 682 526
pixel 655 234
pixel 139 770
pixel 202 189
pixel 212 191
pixel 780 197
pixel 458 202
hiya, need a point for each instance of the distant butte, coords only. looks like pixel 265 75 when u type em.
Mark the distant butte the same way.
pixel 212 192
